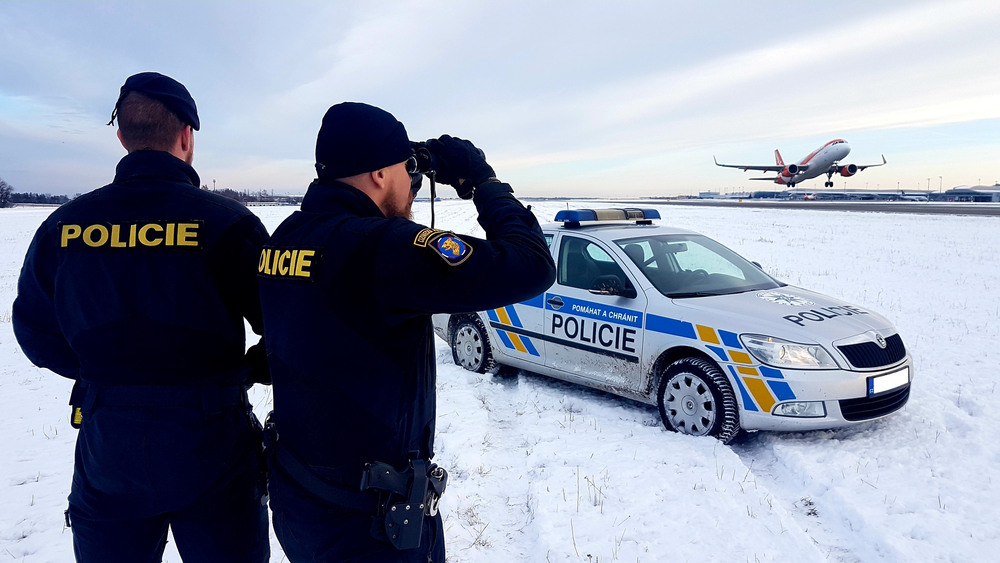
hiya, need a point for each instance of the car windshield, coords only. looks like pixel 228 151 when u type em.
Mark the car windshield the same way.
pixel 691 265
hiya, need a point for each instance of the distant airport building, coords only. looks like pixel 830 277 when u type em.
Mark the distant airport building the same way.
pixel 961 194
pixel 728 195
pixel 855 195
pixel 989 194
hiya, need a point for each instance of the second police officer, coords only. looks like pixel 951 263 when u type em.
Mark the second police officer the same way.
pixel 348 286
pixel 138 291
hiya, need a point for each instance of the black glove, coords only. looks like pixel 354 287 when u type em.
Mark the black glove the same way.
pixel 459 164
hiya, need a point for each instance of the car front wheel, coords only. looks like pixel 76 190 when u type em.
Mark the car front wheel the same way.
pixel 470 347
pixel 695 398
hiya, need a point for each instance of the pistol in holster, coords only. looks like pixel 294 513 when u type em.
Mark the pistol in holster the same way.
pixel 412 494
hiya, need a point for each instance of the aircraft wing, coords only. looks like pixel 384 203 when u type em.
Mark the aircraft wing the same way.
pixel 863 166
pixel 745 167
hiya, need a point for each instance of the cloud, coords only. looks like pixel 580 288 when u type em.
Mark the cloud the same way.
pixel 550 90
pixel 813 80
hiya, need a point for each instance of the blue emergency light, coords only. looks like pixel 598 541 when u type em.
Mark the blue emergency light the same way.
pixel 573 217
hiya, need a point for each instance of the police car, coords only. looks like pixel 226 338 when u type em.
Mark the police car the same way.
pixel 672 318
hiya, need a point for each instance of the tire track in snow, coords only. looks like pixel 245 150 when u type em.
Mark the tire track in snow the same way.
pixel 797 474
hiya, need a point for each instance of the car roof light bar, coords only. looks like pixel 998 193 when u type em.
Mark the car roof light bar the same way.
pixel 573 217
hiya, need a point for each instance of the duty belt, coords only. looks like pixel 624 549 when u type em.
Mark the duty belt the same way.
pixel 306 477
pixel 85 397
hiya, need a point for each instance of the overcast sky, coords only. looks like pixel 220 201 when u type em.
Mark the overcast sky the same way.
pixel 610 98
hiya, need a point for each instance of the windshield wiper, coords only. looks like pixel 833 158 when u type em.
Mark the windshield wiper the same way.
pixel 693 294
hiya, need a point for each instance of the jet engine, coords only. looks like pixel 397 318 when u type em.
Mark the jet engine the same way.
pixel 789 173
pixel 849 170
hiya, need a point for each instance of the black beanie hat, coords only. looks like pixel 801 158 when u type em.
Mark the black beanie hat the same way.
pixel 357 138
pixel 165 90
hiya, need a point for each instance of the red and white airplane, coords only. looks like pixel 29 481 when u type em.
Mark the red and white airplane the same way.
pixel 824 160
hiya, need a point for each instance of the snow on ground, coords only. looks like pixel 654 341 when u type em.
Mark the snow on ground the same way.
pixel 545 471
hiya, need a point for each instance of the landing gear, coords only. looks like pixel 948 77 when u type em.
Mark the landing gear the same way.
pixel 829 180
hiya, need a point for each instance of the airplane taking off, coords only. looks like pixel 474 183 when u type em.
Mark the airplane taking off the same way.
pixel 824 160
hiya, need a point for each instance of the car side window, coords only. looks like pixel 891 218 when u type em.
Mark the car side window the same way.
pixel 582 262
pixel 548 239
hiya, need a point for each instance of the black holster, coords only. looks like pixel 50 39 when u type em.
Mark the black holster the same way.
pixel 412 494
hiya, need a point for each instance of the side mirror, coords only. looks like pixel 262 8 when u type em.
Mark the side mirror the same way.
pixel 612 285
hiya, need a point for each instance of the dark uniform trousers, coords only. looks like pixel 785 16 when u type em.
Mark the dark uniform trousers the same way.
pixel 347 296
pixel 186 466
pixel 139 291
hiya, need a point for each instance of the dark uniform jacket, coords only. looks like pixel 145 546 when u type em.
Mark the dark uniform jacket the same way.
pixel 142 284
pixel 348 296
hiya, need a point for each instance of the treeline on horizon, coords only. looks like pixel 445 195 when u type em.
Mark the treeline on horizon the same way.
pixel 9 198
pixel 43 199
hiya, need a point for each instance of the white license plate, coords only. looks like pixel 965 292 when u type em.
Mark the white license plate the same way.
pixel 888 382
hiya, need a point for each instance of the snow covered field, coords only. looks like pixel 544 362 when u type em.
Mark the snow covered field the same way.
pixel 545 471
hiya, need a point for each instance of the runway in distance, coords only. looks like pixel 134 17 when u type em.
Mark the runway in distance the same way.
pixel 824 160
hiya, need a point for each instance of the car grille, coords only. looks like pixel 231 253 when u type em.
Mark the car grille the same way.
pixel 867 408
pixel 871 355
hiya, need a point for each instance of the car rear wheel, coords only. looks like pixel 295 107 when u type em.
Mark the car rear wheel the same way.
pixel 470 347
pixel 695 398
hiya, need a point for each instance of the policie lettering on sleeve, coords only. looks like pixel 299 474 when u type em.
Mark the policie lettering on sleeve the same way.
pixel 287 263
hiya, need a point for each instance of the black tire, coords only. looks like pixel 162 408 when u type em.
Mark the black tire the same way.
pixel 470 345
pixel 695 398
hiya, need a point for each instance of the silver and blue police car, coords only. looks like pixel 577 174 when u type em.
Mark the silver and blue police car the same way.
pixel 672 318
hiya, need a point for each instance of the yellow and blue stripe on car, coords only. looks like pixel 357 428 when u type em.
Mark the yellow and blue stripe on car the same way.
pixel 511 340
pixel 760 386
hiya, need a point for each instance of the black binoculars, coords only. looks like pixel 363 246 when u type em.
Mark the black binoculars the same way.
pixel 422 161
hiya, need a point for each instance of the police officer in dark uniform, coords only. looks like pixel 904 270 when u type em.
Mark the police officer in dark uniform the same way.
pixel 139 291
pixel 348 286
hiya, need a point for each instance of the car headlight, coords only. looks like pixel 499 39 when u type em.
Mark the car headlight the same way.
pixel 785 354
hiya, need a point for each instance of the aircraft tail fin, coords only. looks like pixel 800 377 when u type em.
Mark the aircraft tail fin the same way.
pixel 777 158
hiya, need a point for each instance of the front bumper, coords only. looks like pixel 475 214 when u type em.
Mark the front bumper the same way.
pixel 847 397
